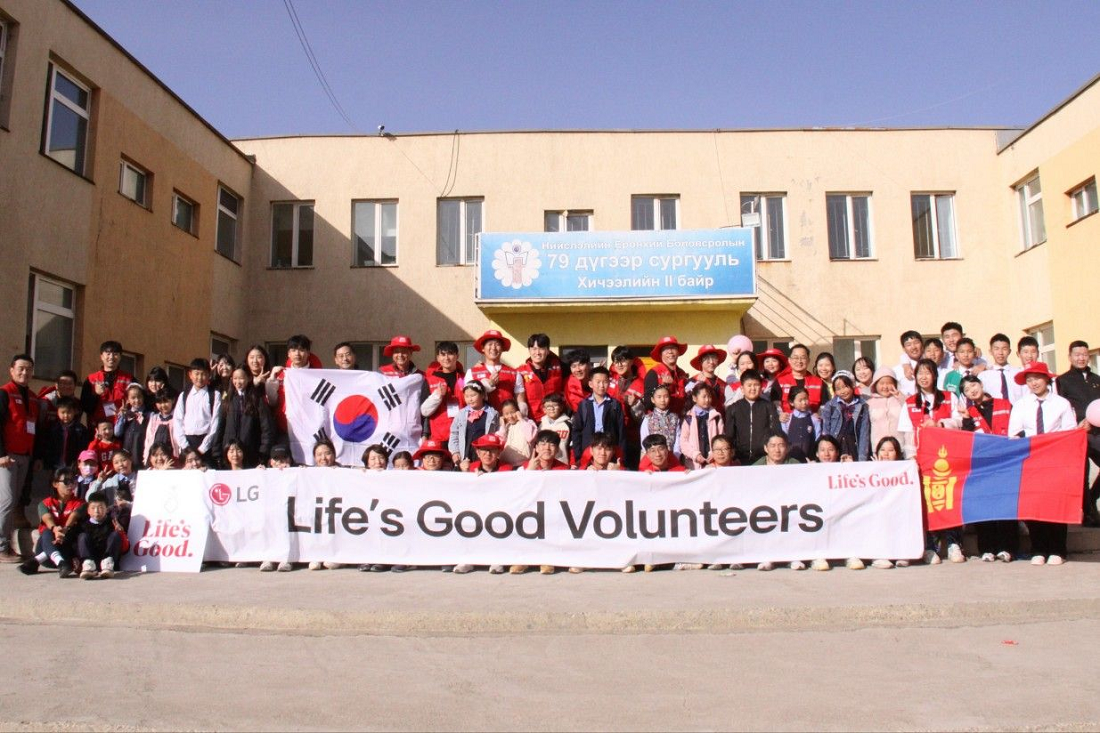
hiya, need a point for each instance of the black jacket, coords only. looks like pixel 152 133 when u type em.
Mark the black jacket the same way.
pixel 750 426
pixel 584 425
pixel 255 431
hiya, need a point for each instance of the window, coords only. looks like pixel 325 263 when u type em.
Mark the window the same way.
pixel 567 221
pixel 8 34
pixel 370 356
pixel 67 121
pixel 1045 336
pixel 277 351
pixel 596 353
pixel 184 213
pixel 847 350
pixel 1094 361
pixel 458 222
pixel 292 235
pixel 177 376
pixel 374 224
pixel 769 235
pixel 1032 225
pixel 51 326
pixel 761 345
pixel 467 354
pixel 220 345
pixel 1084 199
pixel 134 183
pixel 229 206
pixel 131 364
pixel 849 221
pixel 933 226
pixel 3 51
pixel 648 213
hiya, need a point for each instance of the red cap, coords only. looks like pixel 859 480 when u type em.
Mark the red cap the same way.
pixel 1035 367
pixel 775 353
pixel 665 342
pixel 399 342
pixel 697 362
pixel 491 441
pixel 479 345
pixel 430 446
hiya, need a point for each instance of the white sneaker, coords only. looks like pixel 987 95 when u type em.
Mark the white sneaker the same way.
pixel 687 566
pixel 737 566
pixel 901 563
pixel 1052 560
pixel 820 564
pixel 854 563
pixel 87 570
pixel 463 569
pixel 629 569
pixel 765 566
pixel 931 558
pixel 988 557
pixel 316 565
pixel 107 568
pixel 955 554
pixel 496 570
pixel 797 565
pixel 267 566
pixel 716 566
pixel 883 564
pixel 285 567
pixel 1036 560
pixel 1004 556
pixel 328 565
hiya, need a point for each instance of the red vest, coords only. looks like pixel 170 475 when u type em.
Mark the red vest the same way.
pixel 634 381
pixel 59 511
pixel 717 390
pixel 812 384
pixel 535 389
pixel 18 438
pixel 116 395
pixel 389 370
pixel 676 388
pixel 506 383
pixel 558 466
pixel 439 423
pixel 575 392
pixel 1001 411
pixel 476 466
pixel 917 415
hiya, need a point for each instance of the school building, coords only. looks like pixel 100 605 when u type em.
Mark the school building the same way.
pixel 124 214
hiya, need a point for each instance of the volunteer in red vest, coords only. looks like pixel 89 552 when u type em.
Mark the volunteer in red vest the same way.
pixel 104 391
pixel 665 371
pixel 628 386
pixel 541 374
pixel 19 422
pixel 298 356
pixel 773 362
pixel 433 456
pixel 501 381
pixel 928 407
pixel 488 449
pixel 400 350
pixel 705 363
pixel 798 374
pixel 442 398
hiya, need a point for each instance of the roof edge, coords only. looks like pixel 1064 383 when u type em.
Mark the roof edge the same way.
pixel 1053 111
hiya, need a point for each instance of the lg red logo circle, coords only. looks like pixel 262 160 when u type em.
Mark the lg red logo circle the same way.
pixel 220 494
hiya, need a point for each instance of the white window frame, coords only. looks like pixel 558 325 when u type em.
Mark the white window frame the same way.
pixel 1083 198
pixel 377 204
pixel 850 233
pixel 563 216
pixel 236 254
pixel 467 354
pixel 125 165
pixel 1094 360
pixel 178 197
pixel 3 52
pixel 761 206
pixel 465 247
pixel 1048 350
pixel 656 200
pixel 1027 199
pixel 85 113
pixel 937 252
pixel 57 310
pixel 297 207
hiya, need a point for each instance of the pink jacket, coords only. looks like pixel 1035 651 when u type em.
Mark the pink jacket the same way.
pixel 689 435
pixel 517 441
pixel 884 413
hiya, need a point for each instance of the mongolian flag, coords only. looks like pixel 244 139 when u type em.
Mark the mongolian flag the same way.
pixel 974 477
pixel 353 409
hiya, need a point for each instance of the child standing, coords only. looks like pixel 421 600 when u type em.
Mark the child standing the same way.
pixel 475 419
pixel 555 418
pixel 65 438
pixel 130 423
pixel 516 433
pixel 845 417
pixel 701 425
pixel 599 412
pixel 104 444
pixel 661 420
pixel 159 426
pixel 197 417
pixel 87 466
pixel 802 427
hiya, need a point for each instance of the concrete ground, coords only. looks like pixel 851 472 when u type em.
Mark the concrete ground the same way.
pixel 972 647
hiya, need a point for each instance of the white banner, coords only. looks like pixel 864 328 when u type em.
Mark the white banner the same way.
pixel 576 518
pixel 353 409
pixel 169 524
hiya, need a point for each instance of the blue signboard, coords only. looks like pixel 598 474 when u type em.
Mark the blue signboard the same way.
pixel 650 265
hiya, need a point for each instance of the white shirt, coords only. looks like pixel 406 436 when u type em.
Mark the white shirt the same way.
pixel 1058 415
pixel 991 381
pixel 906 386
pixel 905 423
pixel 196 417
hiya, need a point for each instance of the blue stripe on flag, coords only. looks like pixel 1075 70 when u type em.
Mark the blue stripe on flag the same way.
pixel 993 486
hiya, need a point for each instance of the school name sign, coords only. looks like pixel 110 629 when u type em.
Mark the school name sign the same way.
pixel 576 518
pixel 649 265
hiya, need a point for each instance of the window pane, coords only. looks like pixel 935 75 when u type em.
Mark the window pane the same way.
pixel 945 225
pixel 668 213
pixel 923 242
pixel 641 213
pixel 305 236
pixel 550 221
pixel 861 226
pixel 752 204
pixel 53 344
pixel 185 213
pixel 228 200
pixel 67 131
pixel 1035 220
pixel 869 349
pixel 448 231
pixel 1034 187
pixel 282 234
pixel 473 228
pixel 70 91
pixel 777 245
pixel 389 234
pixel 364 234
pixel 55 294
pixel 1090 198
pixel 836 208
pixel 576 223
pixel 133 184
pixel 227 235
pixel 844 352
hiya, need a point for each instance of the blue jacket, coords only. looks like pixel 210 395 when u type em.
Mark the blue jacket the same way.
pixel 457 443
pixel 832 419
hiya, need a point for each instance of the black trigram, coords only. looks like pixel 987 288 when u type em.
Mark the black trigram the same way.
pixel 389 396
pixel 323 392
pixel 320 435
pixel 390 441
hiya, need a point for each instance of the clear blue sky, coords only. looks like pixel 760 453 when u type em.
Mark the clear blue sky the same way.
pixel 426 66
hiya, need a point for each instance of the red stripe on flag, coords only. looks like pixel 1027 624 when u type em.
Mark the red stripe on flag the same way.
pixel 944 462
pixel 1053 478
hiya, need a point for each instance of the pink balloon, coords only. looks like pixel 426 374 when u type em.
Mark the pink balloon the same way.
pixel 1092 413
pixel 739 343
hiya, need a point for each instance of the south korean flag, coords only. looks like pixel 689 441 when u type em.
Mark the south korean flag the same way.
pixel 353 409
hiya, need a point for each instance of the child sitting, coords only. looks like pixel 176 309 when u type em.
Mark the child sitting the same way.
pixel 402 461
pixel 516 433
pixel 58 514
pixel 554 418
pixel 99 540
pixel 130 423
pixel 88 468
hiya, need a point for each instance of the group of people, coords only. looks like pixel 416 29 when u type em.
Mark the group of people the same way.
pixel 548 413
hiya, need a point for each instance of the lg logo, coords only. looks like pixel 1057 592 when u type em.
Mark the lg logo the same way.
pixel 221 494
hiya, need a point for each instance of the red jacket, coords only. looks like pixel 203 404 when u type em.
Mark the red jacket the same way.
pixel 439 422
pixel 814 387
pixel 1001 411
pixel 917 415
pixel 673 465
pixel 114 397
pixel 19 429
pixel 558 466
pixel 506 383
pixel 536 389
pixel 476 465
pixel 59 511
pixel 103 452
pixel 676 387
pixel 280 411
pixel 575 392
